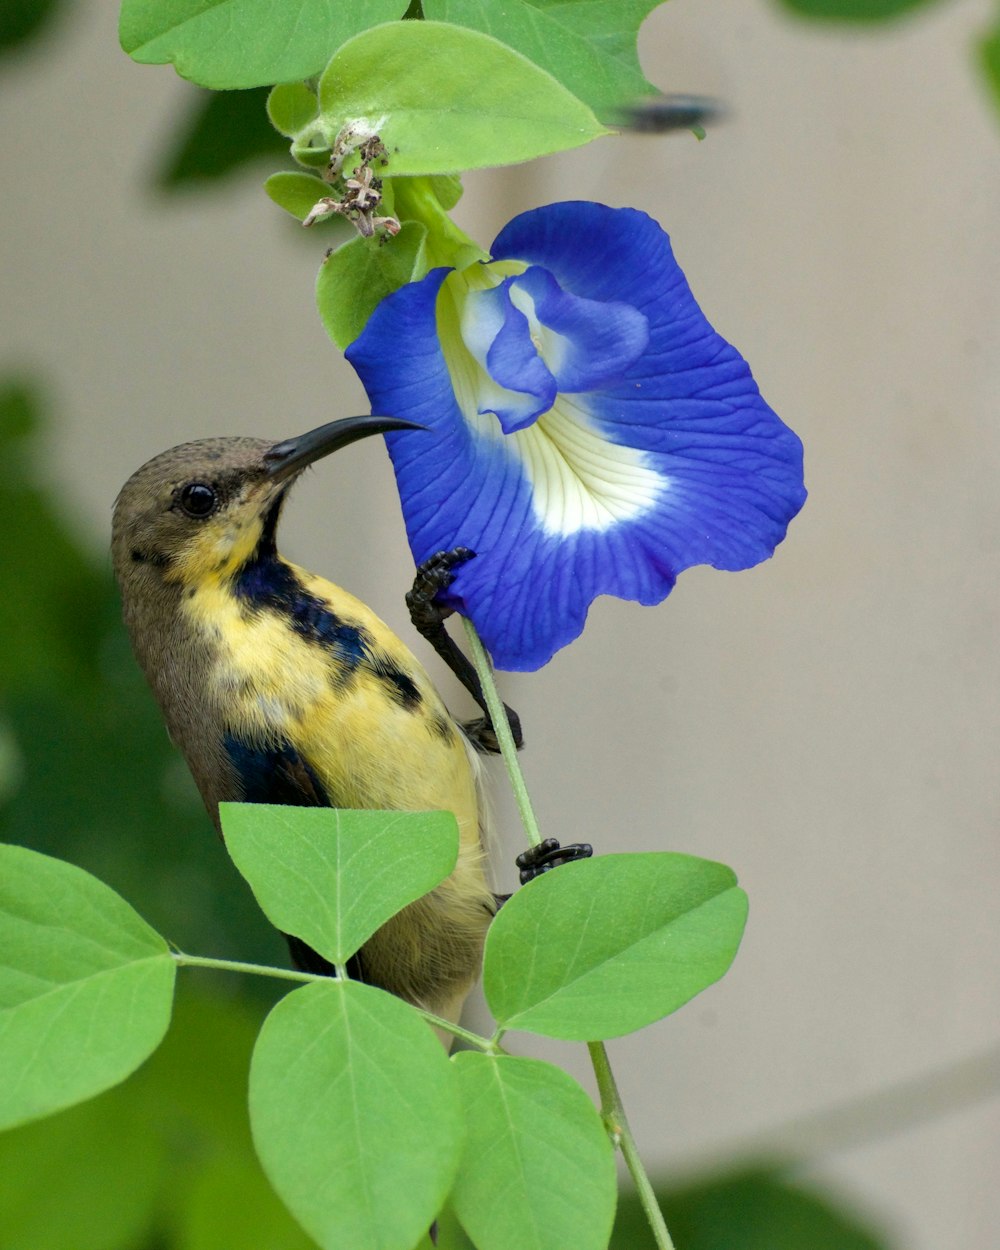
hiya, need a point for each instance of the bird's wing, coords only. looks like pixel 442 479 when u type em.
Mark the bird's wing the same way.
pixel 274 774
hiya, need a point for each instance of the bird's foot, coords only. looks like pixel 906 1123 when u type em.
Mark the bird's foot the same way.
pixel 483 736
pixel 541 858
pixel 434 575
pixel 429 616
pixel 548 855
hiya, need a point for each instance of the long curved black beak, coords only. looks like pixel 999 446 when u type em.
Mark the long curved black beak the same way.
pixel 293 454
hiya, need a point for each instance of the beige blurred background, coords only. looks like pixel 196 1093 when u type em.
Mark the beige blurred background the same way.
pixel 827 723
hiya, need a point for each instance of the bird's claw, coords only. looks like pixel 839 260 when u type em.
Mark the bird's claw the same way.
pixel 483 736
pixel 435 574
pixel 547 855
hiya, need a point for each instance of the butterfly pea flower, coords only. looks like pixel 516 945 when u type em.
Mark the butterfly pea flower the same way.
pixel 589 431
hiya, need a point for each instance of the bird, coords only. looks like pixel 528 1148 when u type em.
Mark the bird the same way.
pixel 279 686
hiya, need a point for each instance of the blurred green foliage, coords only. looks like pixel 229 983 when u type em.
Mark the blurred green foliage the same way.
pixel 753 1208
pixel 221 133
pixel 989 59
pixel 855 10
pixel 22 20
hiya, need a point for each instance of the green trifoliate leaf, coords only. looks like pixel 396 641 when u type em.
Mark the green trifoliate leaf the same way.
pixel 245 43
pixel 590 48
pixel 354 279
pixel 85 986
pixel 331 876
pixel 606 946
pixel 355 1115
pixel 537 1169
pixel 444 99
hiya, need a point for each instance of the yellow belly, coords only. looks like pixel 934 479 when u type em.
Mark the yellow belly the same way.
pixel 369 750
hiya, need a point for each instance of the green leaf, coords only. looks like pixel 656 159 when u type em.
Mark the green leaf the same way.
pixel 444 99
pixel 589 48
pixel 355 1115
pixel 294 111
pixel 538 1169
pixel 222 132
pixel 333 876
pixel 447 188
pixel 85 986
pixel 245 43
pixel 295 192
pixel 292 107
pixel 989 60
pixel 753 1209
pixel 358 275
pixel 854 10
pixel 605 946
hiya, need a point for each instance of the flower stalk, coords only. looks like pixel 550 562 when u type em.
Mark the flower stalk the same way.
pixel 501 727
pixel 612 1108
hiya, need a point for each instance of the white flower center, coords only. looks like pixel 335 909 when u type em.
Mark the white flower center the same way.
pixel 580 480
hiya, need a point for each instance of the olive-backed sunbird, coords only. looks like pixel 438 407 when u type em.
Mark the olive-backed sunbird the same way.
pixel 280 687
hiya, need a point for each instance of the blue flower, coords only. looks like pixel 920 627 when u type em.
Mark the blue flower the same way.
pixel 590 432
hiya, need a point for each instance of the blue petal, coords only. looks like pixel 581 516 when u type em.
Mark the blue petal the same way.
pixel 690 402
pixel 706 472
pixel 525 387
pixel 597 340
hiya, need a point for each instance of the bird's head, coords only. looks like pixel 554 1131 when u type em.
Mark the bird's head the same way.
pixel 202 509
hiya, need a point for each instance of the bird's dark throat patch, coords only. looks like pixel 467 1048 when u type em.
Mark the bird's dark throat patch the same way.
pixel 267 546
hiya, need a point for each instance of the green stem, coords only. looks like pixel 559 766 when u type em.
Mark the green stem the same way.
pixel 612 1110
pixel 618 1128
pixel 501 727
pixel 488 1044
pixel 235 965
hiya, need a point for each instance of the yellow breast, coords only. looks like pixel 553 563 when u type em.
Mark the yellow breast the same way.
pixel 370 745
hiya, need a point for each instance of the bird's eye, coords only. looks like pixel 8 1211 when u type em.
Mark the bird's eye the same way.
pixel 198 499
